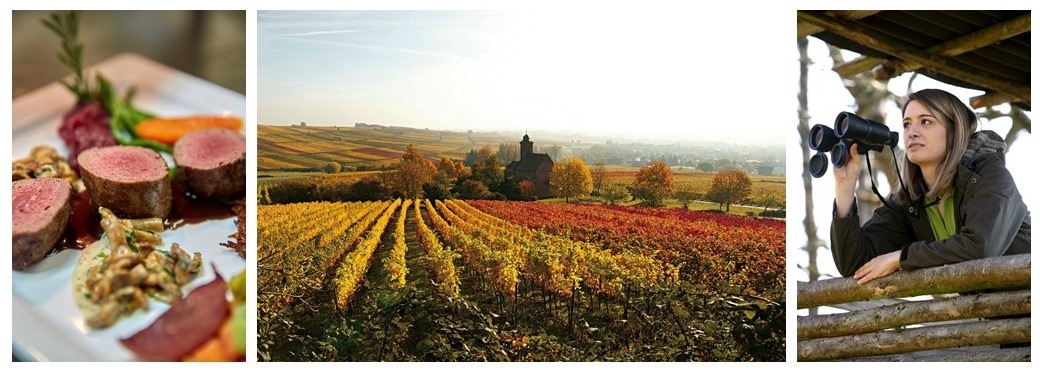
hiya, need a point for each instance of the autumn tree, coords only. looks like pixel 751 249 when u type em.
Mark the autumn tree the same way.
pixel 729 188
pixel 473 190
pixel 449 171
pixel 771 199
pixel 528 190
pixel 599 176
pixel 570 178
pixel 486 169
pixel 333 167
pixel 686 195
pixel 471 158
pixel 653 183
pixel 411 173
pixel 614 193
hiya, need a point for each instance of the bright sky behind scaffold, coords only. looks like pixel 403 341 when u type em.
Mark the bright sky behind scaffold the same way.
pixel 639 73
pixel 828 97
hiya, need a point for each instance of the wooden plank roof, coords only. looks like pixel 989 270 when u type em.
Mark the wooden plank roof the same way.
pixel 985 50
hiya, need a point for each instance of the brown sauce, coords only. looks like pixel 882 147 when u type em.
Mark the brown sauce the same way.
pixel 189 209
pixel 84 225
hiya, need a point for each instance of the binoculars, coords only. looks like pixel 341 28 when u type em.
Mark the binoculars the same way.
pixel 848 129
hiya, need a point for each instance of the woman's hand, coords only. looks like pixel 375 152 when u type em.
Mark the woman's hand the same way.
pixel 845 179
pixel 878 267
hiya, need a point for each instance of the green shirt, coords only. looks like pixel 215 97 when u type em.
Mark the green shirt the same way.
pixel 944 225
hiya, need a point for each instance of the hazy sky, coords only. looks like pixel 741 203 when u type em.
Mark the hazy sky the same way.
pixel 640 73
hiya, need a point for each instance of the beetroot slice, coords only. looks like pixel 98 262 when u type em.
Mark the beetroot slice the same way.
pixel 185 326
pixel 83 127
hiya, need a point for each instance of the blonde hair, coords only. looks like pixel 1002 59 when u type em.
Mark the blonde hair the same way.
pixel 961 122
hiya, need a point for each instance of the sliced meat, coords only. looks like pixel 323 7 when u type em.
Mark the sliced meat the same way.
pixel 40 210
pixel 186 325
pixel 214 163
pixel 131 181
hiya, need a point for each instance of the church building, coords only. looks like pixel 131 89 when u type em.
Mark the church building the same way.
pixel 534 167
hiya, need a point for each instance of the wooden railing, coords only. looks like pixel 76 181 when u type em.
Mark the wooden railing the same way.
pixel 992 309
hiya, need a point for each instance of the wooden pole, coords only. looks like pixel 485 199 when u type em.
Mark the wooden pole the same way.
pixel 911 53
pixel 806 29
pixel 992 99
pixel 859 65
pixel 989 355
pixel 918 339
pixel 987 273
pixel 914 312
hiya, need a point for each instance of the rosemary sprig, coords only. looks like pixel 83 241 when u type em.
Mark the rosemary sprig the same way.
pixel 124 116
pixel 66 26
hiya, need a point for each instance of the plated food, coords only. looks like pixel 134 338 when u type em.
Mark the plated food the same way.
pixel 112 243
pixel 40 210
pixel 213 162
pixel 131 181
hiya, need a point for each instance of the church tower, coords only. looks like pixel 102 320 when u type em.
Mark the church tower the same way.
pixel 526 147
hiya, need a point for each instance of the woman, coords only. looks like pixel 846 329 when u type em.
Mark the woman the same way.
pixel 956 176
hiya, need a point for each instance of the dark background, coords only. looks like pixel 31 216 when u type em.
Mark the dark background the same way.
pixel 207 44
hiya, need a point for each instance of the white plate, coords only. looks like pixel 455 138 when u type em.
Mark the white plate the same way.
pixel 47 326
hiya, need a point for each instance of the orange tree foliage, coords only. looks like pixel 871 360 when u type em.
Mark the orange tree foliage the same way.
pixel 653 183
pixel 528 189
pixel 729 187
pixel 449 170
pixel 570 178
pixel 411 173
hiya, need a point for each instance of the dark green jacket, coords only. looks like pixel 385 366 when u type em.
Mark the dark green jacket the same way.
pixel 992 220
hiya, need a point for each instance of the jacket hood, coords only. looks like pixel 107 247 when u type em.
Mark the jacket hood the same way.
pixel 982 143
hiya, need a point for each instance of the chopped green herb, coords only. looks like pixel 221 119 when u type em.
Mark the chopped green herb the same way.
pixel 101 255
pixel 124 116
pixel 131 240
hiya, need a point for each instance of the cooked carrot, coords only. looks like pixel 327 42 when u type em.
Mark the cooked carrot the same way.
pixel 168 130
pixel 220 347
pixel 211 351
pixel 226 336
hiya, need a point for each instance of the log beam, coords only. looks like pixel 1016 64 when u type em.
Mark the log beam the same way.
pixel 975 275
pixel 911 53
pixel 914 312
pixel 859 65
pixel 908 340
pixel 993 99
pixel 990 355
pixel 806 29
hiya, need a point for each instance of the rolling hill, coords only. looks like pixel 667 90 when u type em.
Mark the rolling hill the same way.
pixel 310 147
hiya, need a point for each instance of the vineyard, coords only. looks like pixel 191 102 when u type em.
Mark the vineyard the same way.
pixel 420 280
pixel 296 147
